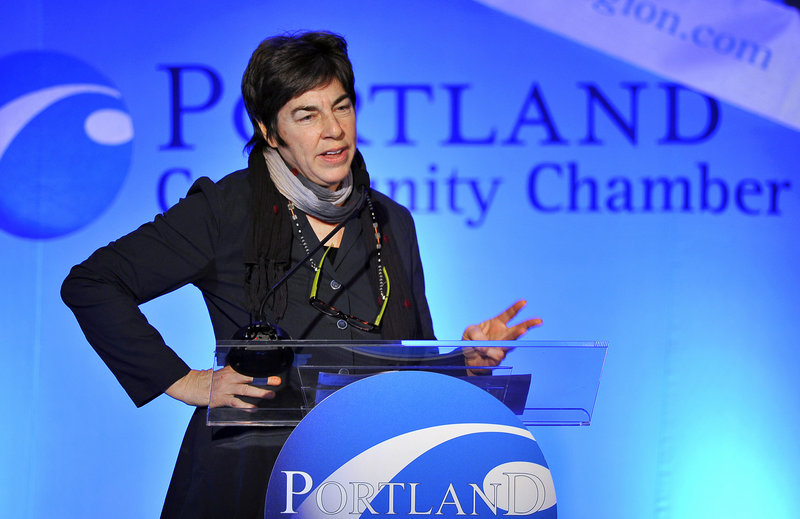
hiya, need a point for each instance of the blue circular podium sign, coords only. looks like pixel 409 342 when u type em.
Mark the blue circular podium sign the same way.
pixel 405 444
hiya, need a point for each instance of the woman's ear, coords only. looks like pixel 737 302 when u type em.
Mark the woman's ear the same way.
pixel 271 142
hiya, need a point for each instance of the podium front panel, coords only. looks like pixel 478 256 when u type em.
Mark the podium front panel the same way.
pixel 543 382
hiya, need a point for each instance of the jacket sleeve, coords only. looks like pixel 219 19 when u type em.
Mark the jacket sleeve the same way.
pixel 105 291
pixel 416 275
pixel 418 287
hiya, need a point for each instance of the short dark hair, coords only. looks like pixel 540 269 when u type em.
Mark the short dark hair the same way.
pixel 284 67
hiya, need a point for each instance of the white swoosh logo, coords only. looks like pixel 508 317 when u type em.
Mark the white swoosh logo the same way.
pixel 15 115
pixel 385 460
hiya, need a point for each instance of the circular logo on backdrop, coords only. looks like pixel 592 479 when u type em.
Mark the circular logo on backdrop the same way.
pixel 410 443
pixel 65 144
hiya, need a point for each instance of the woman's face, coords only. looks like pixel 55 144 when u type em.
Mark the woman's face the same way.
pixel 319 129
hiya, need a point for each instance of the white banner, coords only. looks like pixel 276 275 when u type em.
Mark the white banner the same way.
pixel 741 51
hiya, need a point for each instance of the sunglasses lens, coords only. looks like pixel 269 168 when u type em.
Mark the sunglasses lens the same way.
pixel 324 307
pixel 361 325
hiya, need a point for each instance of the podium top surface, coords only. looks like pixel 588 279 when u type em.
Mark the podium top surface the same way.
pixel 411 347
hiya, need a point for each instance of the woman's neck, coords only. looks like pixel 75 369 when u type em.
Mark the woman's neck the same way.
pixel 321 229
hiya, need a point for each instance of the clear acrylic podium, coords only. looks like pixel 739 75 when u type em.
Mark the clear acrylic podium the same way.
pixel 543 382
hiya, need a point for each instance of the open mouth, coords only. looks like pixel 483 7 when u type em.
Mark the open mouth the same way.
pixel 334 153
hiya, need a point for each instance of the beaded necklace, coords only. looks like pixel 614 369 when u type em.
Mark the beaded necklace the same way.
pixel 378 246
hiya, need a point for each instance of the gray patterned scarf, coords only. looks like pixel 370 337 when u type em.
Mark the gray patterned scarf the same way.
pixel 318 201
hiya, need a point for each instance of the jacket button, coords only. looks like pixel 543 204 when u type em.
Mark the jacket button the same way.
pixel 341 324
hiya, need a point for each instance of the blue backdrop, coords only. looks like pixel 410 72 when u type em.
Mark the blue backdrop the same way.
pixel 622 206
